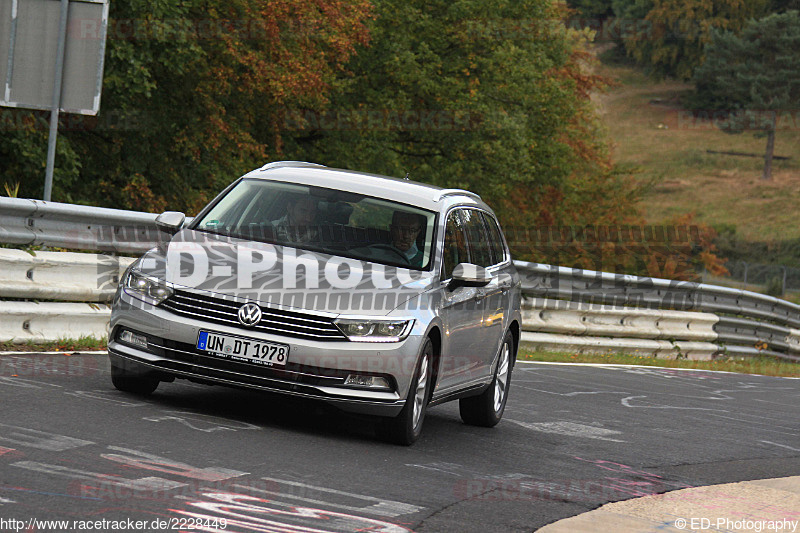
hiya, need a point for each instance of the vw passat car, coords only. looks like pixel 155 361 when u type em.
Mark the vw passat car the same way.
pixel 381 296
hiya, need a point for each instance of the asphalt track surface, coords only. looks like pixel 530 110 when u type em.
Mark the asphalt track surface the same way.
pixel 573 438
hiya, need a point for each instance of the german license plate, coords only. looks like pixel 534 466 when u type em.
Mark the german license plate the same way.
pixel 243 349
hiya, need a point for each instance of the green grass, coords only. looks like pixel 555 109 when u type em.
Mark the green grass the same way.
pixel 766 366
pixel 651 132
pixel 61 345
pixel 756 365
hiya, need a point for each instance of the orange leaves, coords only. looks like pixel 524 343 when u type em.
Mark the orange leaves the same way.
pixel 703 237
pixel 289 51
pixel 141 197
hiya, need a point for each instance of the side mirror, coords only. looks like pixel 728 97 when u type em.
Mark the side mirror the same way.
pixel 170 221
pixel 469 275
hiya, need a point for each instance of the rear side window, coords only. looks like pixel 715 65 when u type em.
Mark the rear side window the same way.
pixel 496 243
pixel 477 239
pixel 455 244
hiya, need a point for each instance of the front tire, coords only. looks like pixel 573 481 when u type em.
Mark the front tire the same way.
pixel 487 408
pixel 406 427
pixel 127 382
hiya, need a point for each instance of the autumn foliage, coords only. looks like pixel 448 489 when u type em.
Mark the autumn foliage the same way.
pixel 192 98
pixel 492 96
pixel 671 35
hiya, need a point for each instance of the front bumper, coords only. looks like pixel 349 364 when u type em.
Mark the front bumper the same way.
pixel 315 370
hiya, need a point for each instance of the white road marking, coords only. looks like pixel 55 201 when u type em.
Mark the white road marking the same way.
pixel 627 403
pixel 148 461
pixel 25 383
pixel 386 508
pixel 780 445
pixel 40 439
pixel 148 484
pixel 452 469
pixel 570 394
pixel 612 365
pixel 215 423
pixel 256 514
pixel 571 429
pixel 104 396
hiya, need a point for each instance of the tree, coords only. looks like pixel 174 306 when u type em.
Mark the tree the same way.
pixel 593 9
pixel 753 79
pixel 192 96
pixel 781 6
pixel 493 96
pixel 672 39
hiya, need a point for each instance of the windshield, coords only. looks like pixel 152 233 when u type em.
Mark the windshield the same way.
pixel 325 220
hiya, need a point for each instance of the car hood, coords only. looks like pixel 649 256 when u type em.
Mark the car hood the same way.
pixel 282 276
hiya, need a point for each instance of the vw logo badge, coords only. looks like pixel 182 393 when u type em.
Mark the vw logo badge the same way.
pixel 250 314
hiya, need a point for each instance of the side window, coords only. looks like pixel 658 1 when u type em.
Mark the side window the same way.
pixel 495 240
pixel 455 244
pixel 477 240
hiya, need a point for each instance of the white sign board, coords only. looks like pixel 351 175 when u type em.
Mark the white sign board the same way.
pixel 29 32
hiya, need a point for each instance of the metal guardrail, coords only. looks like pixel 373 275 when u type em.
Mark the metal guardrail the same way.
pixel 741 322
pixel 62 276
pixel 618 289
pixel 47 322
pixel 749 323
pixel 34 222
pixel 581 327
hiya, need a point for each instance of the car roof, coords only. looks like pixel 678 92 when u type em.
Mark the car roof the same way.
pixel 400 190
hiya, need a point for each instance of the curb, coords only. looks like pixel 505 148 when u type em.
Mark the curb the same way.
pixel 762 505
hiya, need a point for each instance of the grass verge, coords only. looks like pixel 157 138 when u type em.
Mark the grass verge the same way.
pixel 756 365
pixel 766 366
pixel 84 344
pixel 652 132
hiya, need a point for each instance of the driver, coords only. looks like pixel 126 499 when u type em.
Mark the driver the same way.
pixel 296 225
pixel 404 229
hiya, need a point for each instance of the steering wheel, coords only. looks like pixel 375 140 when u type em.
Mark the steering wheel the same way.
pixel 390 248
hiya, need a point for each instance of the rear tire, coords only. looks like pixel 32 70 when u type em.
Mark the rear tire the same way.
pixel 135 384
pixel 487 408
pixel 406 427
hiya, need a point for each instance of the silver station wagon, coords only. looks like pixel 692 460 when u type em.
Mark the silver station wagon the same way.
pixel 381 296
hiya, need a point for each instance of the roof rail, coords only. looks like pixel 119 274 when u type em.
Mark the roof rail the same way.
pixel 284 164
pixel 454 192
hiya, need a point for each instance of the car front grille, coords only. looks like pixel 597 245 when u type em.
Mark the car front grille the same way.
pixel 273 321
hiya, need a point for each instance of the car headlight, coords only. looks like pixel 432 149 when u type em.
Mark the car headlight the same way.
pixel 145 288
pixel 369 330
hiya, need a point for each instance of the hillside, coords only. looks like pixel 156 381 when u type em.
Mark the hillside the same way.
pixel 652 132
